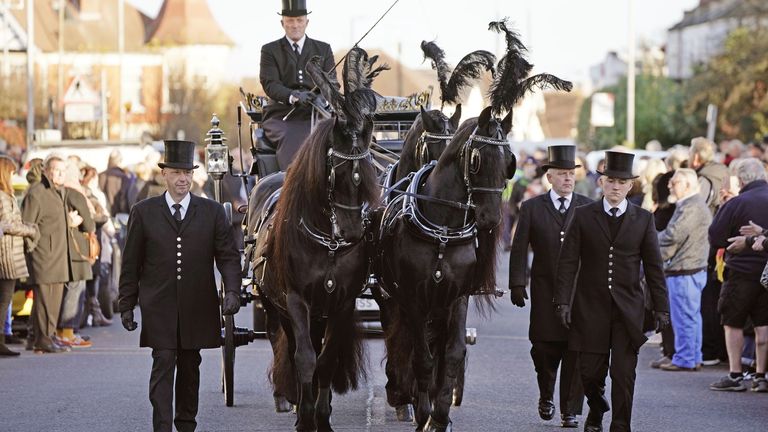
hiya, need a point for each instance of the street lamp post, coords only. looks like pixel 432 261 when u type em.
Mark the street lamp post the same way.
pixel 30 71
pixel 631 77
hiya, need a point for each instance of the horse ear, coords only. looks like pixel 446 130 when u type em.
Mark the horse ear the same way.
pixel 456 117
pixel 426 120
pixel 512 166
pixel 506 124
pixel 484 118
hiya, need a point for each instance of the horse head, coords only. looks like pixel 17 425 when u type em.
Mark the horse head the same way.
pixel 438 132
pixel 487 162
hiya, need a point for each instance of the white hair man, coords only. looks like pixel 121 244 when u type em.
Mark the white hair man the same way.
pixel 684 249
pixel 711 174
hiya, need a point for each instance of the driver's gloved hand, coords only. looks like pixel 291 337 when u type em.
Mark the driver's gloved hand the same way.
pixel 302 97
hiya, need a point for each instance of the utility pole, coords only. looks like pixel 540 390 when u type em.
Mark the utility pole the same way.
pixel 60 70
pixel 30 72
pixel 121 51
pixel 631 77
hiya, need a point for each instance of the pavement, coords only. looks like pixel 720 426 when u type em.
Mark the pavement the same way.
pixel 104 388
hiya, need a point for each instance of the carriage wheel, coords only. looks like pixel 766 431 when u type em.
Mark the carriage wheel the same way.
pixel 228 360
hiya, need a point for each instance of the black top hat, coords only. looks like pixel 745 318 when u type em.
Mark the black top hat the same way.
pixel 561 157
pixel 179 155
pixel 294 8
pixel 618 165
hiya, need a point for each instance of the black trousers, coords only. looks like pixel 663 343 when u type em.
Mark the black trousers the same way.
pixel 623 362
pixel 713 336
pixel 547 358
pixel 186 365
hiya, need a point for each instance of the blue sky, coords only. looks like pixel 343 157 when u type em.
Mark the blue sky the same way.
pixel 565 37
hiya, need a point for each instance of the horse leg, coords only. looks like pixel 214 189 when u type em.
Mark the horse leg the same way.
pixel 451 362
pixel 423 363
pixel 327 362
pixel 273 332
pixel 304 360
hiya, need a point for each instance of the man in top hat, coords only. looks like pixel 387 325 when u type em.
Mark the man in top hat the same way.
pixel 173 240
pixel 541 224
pixel 284 77
pixel 604 245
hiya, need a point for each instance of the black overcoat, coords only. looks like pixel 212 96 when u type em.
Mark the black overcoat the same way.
pixel 168 271
pixel 609 274
pixel 543 227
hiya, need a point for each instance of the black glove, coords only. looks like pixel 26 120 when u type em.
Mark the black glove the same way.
pixel 128 322
pixel 303 97
pixel 564 315
pixel 518 295
pixel 662 320
pixel 231 303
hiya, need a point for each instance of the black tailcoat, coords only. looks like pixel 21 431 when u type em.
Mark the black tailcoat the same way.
pixel 543 227
pixel 609 274
pixel 168 270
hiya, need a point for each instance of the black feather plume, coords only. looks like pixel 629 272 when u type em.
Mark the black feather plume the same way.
pixel 437 55
pixel 468 68
pixel 353 73
pixel 453 82
pixel 511 82
pixel 359 99
pixel 326 82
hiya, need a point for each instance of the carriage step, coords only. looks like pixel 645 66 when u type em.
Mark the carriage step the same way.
pixel 471 336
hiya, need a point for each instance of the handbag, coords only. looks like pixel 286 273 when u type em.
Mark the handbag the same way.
pixel 94 247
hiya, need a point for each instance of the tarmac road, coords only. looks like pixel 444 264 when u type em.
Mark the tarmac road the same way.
pixel 104 388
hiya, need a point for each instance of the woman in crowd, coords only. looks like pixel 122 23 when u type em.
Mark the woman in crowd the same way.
pixel 12 263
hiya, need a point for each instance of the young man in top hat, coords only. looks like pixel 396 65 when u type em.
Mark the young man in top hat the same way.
pixel 285 80
pixel 604 245
pixel 172 242
pixel 541 224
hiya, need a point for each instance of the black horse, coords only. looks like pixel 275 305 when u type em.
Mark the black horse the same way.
pixel 437 250
pixel 311 255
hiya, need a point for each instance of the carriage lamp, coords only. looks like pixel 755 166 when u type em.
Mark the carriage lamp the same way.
pixel 216 151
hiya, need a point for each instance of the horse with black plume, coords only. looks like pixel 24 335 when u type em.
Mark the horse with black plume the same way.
pixel 438 244
pixel 431 131
pixel 311 262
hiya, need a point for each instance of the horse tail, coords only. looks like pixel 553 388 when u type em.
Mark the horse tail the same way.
pixel 352 362
pixel 484 290
pixel 282 374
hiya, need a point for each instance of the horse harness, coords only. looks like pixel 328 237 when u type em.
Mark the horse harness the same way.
pixel 405 206
pixel 422 150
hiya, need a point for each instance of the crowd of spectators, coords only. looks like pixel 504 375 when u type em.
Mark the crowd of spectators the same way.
pixel 60 230
pixel 707 204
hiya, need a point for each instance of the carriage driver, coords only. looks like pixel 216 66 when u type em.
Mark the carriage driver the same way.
pixel 285 80
pixel 172 243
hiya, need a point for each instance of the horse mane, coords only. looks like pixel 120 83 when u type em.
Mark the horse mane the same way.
pixel 303 196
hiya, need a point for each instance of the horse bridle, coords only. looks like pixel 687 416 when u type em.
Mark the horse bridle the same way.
pixel 422 151
pixel 354 157
pixel 471 160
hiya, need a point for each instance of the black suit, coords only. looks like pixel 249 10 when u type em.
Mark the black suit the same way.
pixel 281 72
pixel 541 226
pixel 168 271
pixel 608 303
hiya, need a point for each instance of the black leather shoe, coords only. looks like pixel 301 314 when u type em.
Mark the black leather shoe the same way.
pixel 569 421
pixel 546 409
pixel 594 422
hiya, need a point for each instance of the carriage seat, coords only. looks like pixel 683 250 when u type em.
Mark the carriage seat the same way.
pixel 265 153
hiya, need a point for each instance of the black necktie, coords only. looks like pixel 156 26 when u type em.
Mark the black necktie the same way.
pixel 296 49
pixel 614 211
pixel 562 208
pixel 177 212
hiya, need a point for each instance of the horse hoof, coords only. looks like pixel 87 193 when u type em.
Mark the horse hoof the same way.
pixel 404 413
pixel 433 426
pixel 282 405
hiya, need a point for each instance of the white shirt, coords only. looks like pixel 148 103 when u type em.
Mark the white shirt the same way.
pixel 300 42
pixel 184 204
pixel 622 207
pixel 556 199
